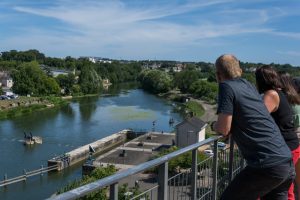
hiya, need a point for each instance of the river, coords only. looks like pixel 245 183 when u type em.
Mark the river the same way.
pixel 82 121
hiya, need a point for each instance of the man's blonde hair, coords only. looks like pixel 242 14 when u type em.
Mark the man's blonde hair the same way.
pixel 228 66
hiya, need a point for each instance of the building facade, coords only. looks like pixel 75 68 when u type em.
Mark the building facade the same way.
pixel 190 131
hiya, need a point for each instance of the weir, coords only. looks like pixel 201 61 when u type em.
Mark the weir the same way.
pixel 83 152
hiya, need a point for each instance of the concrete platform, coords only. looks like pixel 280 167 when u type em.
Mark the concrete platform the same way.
pixel 132 157
pixel 137 151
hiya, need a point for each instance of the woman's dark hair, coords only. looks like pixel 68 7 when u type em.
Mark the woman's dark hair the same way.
pixel 296 84
pixel 288 88
pixel 267 79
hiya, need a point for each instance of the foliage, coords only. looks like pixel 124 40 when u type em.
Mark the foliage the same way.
pixel 204 90
pixel 124 189
pixel 30 79
pixel 250 77
pixel 89 80
pixel 23 56
pixel 118 72
pixel 183 161
pixel 96 174
pixel 8 65
pixel 194 107
pixel 155 81
pixel 66 82
pixel 184 79
pixel 18 111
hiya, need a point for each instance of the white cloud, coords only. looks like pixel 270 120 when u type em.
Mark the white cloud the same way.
pixel 114 28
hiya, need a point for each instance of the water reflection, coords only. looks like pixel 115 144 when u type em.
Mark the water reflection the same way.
pixel 87 106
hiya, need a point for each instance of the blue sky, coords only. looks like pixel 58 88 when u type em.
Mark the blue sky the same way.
pixel 188 30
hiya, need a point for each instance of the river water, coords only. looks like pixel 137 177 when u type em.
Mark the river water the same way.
pixel 63 129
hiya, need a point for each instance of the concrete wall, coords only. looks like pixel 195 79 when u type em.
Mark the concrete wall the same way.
pixel 82 153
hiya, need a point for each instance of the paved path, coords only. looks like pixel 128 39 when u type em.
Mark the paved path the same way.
pixel 210 111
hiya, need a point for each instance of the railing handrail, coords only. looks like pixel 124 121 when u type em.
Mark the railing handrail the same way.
pixel 94 186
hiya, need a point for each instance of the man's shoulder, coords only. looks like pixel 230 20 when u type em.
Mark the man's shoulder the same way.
pixel 234 83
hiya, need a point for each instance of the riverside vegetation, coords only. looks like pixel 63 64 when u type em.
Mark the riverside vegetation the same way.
pixel 31 73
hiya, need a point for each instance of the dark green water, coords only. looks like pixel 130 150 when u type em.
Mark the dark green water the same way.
pixel 63 129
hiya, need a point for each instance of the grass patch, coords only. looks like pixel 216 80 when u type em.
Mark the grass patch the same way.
pixel 195 107
pixel 40 103
pixel 18 111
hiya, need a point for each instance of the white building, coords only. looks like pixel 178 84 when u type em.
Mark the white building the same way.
pixel 190 131
pixel 6 80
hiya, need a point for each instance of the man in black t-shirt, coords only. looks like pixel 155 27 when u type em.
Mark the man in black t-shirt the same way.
pixel 243 115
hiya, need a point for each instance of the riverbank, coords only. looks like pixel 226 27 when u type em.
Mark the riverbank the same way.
pixel 188 104
pixel 24 105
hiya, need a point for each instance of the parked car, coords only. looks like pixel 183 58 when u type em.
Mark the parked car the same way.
pixel 4 97
pixel 13 96
pixel 209 152
pixel 221 145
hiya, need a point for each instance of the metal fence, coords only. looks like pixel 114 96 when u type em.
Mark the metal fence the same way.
pixel 205 180
pixel 7 181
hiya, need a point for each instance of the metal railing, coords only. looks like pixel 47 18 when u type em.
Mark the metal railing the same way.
pixel 26 175
pixel 205 180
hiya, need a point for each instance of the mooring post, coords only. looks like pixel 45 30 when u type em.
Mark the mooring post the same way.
pixel 5 178
pixel 25 175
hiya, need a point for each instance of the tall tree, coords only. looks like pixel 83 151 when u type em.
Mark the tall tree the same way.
pixel 89 81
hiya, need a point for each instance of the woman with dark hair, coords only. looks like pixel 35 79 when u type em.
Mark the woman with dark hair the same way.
pixel 276 101
pixel 294 100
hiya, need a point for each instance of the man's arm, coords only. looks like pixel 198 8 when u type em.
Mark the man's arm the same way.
pixel 223 124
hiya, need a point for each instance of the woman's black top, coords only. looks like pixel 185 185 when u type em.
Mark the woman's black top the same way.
pixel 283 117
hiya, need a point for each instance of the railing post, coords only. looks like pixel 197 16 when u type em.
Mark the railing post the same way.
pixel 163 181
pixel 42 168
pixel 215 171
pixel 230 167
pixel 25 174
pixel 113 191
pixel 194 175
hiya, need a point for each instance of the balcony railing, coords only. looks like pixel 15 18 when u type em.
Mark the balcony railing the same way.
pixel 205 180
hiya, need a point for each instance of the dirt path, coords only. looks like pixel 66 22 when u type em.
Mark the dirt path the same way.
pixel 210 111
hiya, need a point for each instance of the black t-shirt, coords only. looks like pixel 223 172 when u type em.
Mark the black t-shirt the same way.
pixel 283 117
pixel 252 128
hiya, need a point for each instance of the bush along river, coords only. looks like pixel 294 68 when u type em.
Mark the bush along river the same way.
pixel 67 127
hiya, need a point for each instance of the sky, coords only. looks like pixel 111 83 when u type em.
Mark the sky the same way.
pixel 187 30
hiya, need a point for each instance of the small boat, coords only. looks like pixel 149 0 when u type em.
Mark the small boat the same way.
pixel 171 121
pixel 29 139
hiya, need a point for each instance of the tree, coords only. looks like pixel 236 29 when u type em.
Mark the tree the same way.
pixel 155 81
pixel 30 79
pixel 205 90
pixel 66 82
pixel 89 80
pixel 184 79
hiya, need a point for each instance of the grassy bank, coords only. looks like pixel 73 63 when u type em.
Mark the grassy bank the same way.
pixel 194 107
pixel 23 105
